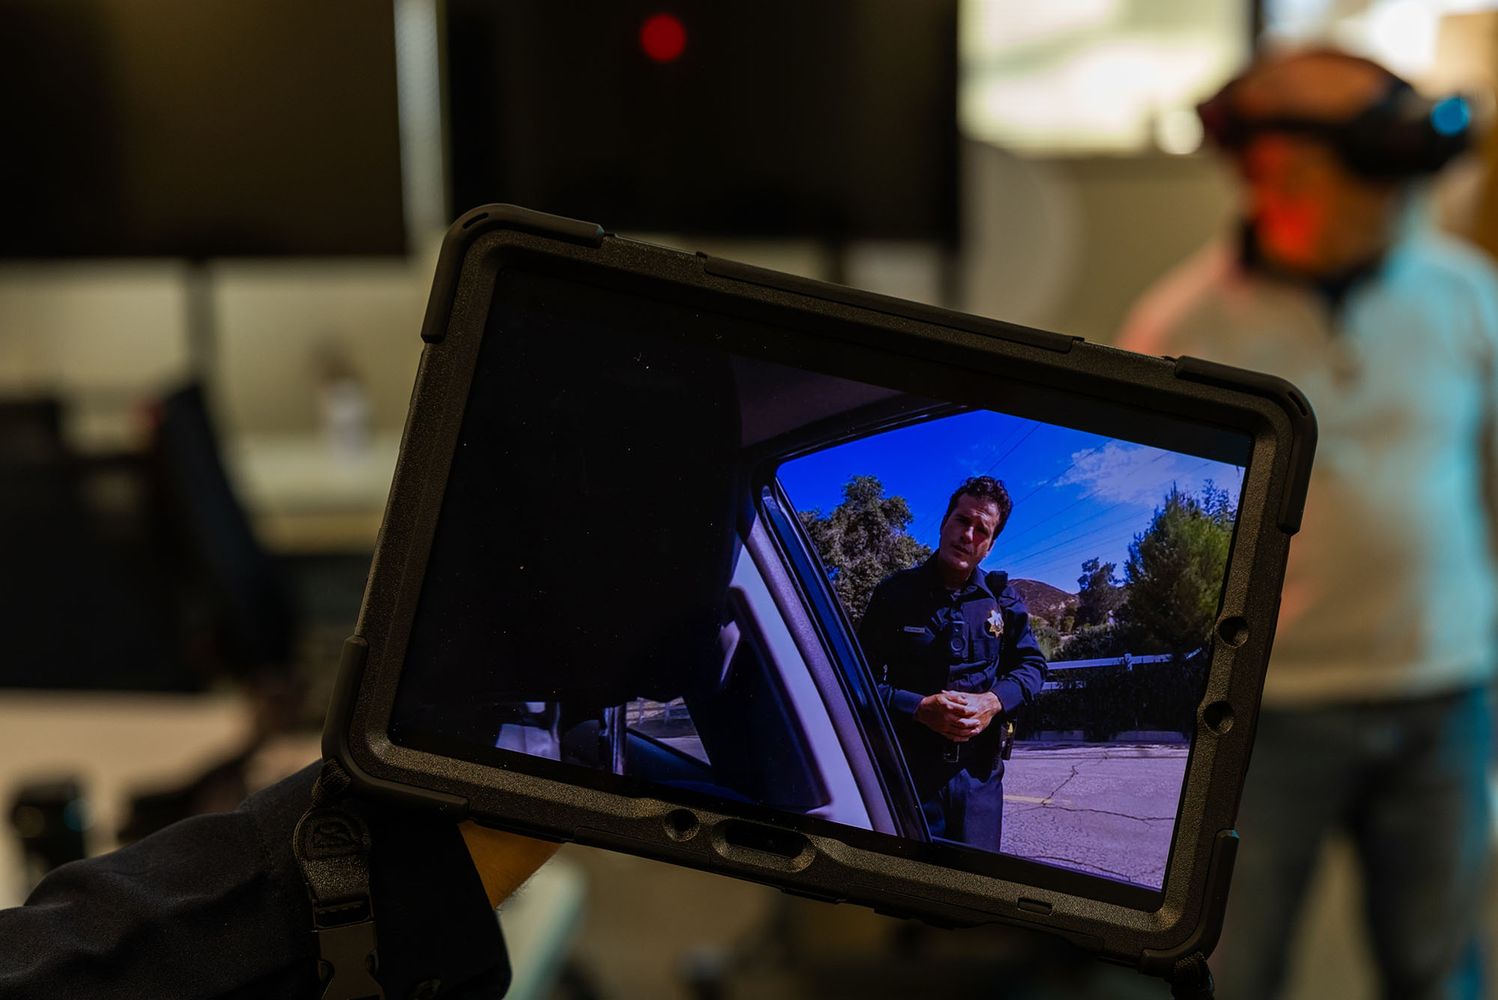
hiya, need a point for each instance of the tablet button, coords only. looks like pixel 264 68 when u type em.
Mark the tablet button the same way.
pixel 1039 906
pixel 781 843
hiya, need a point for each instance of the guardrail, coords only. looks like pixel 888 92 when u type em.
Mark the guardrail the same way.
pixel 1127 660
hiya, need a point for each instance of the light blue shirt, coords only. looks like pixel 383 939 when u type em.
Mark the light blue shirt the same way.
pixel 1390 587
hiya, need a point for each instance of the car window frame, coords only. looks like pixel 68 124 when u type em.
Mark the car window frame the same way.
pixel 838 637
pixel 840 647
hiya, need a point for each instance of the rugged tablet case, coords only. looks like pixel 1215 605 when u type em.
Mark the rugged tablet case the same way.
pixel 1187 921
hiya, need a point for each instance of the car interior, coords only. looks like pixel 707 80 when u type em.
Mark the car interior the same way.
pixel 696 643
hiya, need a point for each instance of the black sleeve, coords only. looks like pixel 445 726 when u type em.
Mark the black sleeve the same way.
pixel 1022 664
pixel 871 632
pixel 874 635
pixel 215 907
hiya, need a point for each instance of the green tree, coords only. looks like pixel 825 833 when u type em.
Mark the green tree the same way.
pixel 1047 636
pixel 1175 569
pixel 1095 642
pixel 1098 593
pixel 863 540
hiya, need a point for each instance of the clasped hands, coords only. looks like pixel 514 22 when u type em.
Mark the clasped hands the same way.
pixel 958 715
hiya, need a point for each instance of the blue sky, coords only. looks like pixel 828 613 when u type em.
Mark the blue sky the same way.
pixel 1076 495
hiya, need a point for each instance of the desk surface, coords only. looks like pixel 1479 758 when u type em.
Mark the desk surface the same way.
pixel 114 745
pixel 117 744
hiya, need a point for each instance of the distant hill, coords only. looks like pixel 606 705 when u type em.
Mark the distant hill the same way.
pixel 1046 601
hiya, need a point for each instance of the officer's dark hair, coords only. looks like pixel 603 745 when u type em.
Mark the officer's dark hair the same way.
pixel 983 488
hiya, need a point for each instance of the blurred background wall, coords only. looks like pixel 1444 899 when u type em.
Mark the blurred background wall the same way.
pixel 279 259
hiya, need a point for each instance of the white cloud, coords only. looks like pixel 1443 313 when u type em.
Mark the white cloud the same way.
pixel 1133 474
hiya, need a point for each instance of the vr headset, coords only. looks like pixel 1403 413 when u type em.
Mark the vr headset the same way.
pixel 1400 135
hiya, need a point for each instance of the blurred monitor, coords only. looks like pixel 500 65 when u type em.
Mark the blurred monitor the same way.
pixel 834 120
pixel 199 128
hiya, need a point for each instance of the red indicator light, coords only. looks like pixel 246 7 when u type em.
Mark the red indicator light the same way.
pixel 663 38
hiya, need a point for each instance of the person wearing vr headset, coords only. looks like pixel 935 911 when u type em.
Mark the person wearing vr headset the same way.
pixel 1375 716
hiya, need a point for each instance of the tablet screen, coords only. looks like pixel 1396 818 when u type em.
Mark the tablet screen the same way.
pixel 930 609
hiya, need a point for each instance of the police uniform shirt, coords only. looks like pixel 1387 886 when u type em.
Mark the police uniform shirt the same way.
pixel 920 638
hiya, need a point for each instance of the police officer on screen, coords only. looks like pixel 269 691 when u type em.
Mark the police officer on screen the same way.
pixel 955 658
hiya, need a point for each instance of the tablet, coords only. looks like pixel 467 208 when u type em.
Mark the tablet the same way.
pixel 865 599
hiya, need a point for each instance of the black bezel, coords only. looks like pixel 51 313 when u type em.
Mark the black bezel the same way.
pixel 839 865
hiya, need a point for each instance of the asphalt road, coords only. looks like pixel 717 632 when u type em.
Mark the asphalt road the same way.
pixel 1105 809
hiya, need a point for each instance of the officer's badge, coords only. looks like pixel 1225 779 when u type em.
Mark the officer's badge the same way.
pixel 995 624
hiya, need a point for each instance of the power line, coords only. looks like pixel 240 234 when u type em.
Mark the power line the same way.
pixel 1055 514
pixel 1026 553
pixel 1035 425
pixel 1028 529
pixel 1058 476
pixel 1073 557
pixel 1085 540
pixel 1103 511
pixel 1075 545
